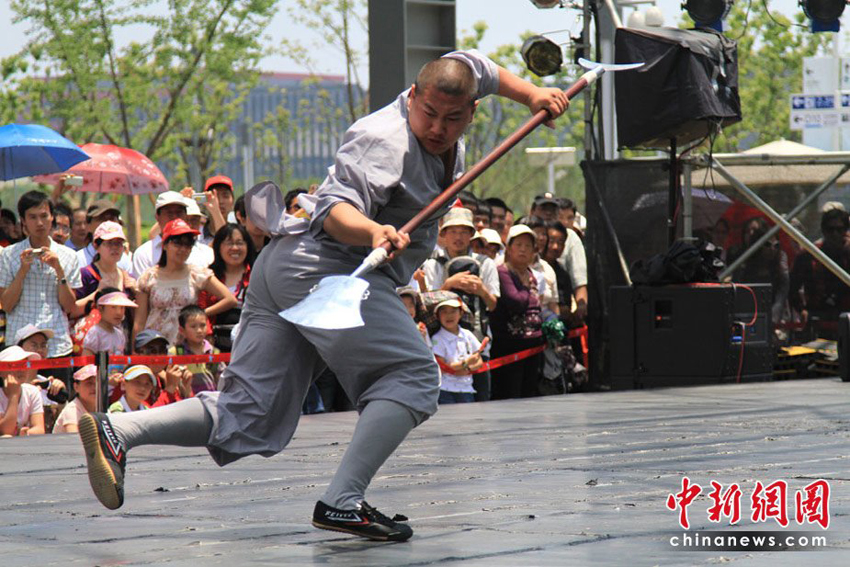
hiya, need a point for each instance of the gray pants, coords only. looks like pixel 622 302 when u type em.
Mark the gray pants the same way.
pixel 274 361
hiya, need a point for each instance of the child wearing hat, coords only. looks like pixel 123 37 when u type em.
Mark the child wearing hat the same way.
pixel 137 384
pixel 108 335
pixel 458 349
pixel 21 410
pixel 85 400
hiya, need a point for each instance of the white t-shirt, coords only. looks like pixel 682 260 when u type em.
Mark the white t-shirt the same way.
pixel 454 348
pixel 551 295
pixel 573 259
pixel 69 416
pixel 28 405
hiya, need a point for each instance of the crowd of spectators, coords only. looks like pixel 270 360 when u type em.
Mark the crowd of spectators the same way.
pixel 71 285
pixel 806 297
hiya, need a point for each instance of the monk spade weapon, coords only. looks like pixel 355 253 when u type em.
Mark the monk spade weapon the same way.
pixel 334 303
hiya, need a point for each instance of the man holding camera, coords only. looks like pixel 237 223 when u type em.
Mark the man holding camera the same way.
pixel 38 277
pixel 472 276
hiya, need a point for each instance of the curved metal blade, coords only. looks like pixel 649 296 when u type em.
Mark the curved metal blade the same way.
pixel 333 304
pixel 608 66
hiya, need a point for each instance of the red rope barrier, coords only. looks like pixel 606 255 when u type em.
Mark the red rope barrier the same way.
pixel 77 361
pixel 65 362
pixel 498 362
pixel 170 359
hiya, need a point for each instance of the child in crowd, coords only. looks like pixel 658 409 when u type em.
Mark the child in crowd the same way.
pixel 457 350
pixel 410 297
pixel 173 381
pixel 108 335
pixel 21 411
pixel 85 400
pixel 53 391
pixel 193 328
pixel 137 383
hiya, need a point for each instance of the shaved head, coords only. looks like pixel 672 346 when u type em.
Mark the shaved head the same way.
pixel 448 76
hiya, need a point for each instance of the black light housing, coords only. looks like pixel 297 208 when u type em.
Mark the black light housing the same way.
pixel 708 13
pixel 825 15
pixel 546 3
pixel 542 56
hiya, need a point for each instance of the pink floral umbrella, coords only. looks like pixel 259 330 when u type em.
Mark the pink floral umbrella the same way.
pixel 113 169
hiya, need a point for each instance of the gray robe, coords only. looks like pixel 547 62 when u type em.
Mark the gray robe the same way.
pixel 382 170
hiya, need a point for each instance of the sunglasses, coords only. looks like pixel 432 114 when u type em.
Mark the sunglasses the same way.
pixel 184 240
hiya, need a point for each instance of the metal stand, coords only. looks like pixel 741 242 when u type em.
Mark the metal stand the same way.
pixel 102 381
pixel 673 195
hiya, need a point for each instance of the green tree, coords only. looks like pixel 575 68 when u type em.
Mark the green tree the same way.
pixel 334 21
pixel 162 92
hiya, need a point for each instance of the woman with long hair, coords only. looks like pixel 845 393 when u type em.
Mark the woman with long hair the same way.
pixel 234 255
pixel 172 284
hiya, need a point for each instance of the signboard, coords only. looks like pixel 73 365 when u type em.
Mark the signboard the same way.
pixel 820 110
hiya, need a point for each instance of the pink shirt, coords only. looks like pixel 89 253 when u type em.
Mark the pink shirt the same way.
pixel 99 339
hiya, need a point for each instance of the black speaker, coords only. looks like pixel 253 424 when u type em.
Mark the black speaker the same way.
pixel 681 335
pixel 688 87
pixel 843 345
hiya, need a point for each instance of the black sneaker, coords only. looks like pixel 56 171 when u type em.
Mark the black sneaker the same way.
pixel 366 522
pixel 105 457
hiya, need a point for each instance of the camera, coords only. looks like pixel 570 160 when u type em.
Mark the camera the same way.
pixel 73 180
pixel 37 252
pixel 59 397
pixel 201 198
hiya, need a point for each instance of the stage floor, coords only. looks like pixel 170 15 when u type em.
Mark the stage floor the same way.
pixel 563 480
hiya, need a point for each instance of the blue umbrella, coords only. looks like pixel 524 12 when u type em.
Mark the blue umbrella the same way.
pixel 31 149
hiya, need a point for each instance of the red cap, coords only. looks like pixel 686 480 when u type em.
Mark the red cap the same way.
pixel 218 180
pixel 177 227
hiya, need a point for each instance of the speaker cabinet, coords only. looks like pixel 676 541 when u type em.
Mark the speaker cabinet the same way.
pixel 843 345
pixel 688 87
pixel 689 334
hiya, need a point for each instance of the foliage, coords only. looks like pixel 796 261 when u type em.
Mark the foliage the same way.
pixel 334 21
pixel 161 78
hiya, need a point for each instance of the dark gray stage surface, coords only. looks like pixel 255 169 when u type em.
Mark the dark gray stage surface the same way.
pixel 568 480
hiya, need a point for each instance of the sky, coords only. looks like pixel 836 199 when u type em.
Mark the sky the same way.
pixel 506 20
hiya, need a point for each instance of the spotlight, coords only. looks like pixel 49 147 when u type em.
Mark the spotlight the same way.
pixel 825 15
pixel 542 56
pixel 708 13
pixel 546 3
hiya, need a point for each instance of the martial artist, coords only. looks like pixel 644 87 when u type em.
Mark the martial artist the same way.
pixel 391 164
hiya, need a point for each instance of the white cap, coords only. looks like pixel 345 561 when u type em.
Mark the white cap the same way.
pixel 490 236
pixel 15 353
pixel 519 229
pixel 192 208
pixel 453 302
pixel 29 330
pixel 169 198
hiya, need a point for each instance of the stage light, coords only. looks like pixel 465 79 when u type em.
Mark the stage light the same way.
pixel 825 15
pixel 546 3
pixel 542 56
pixel 708 13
